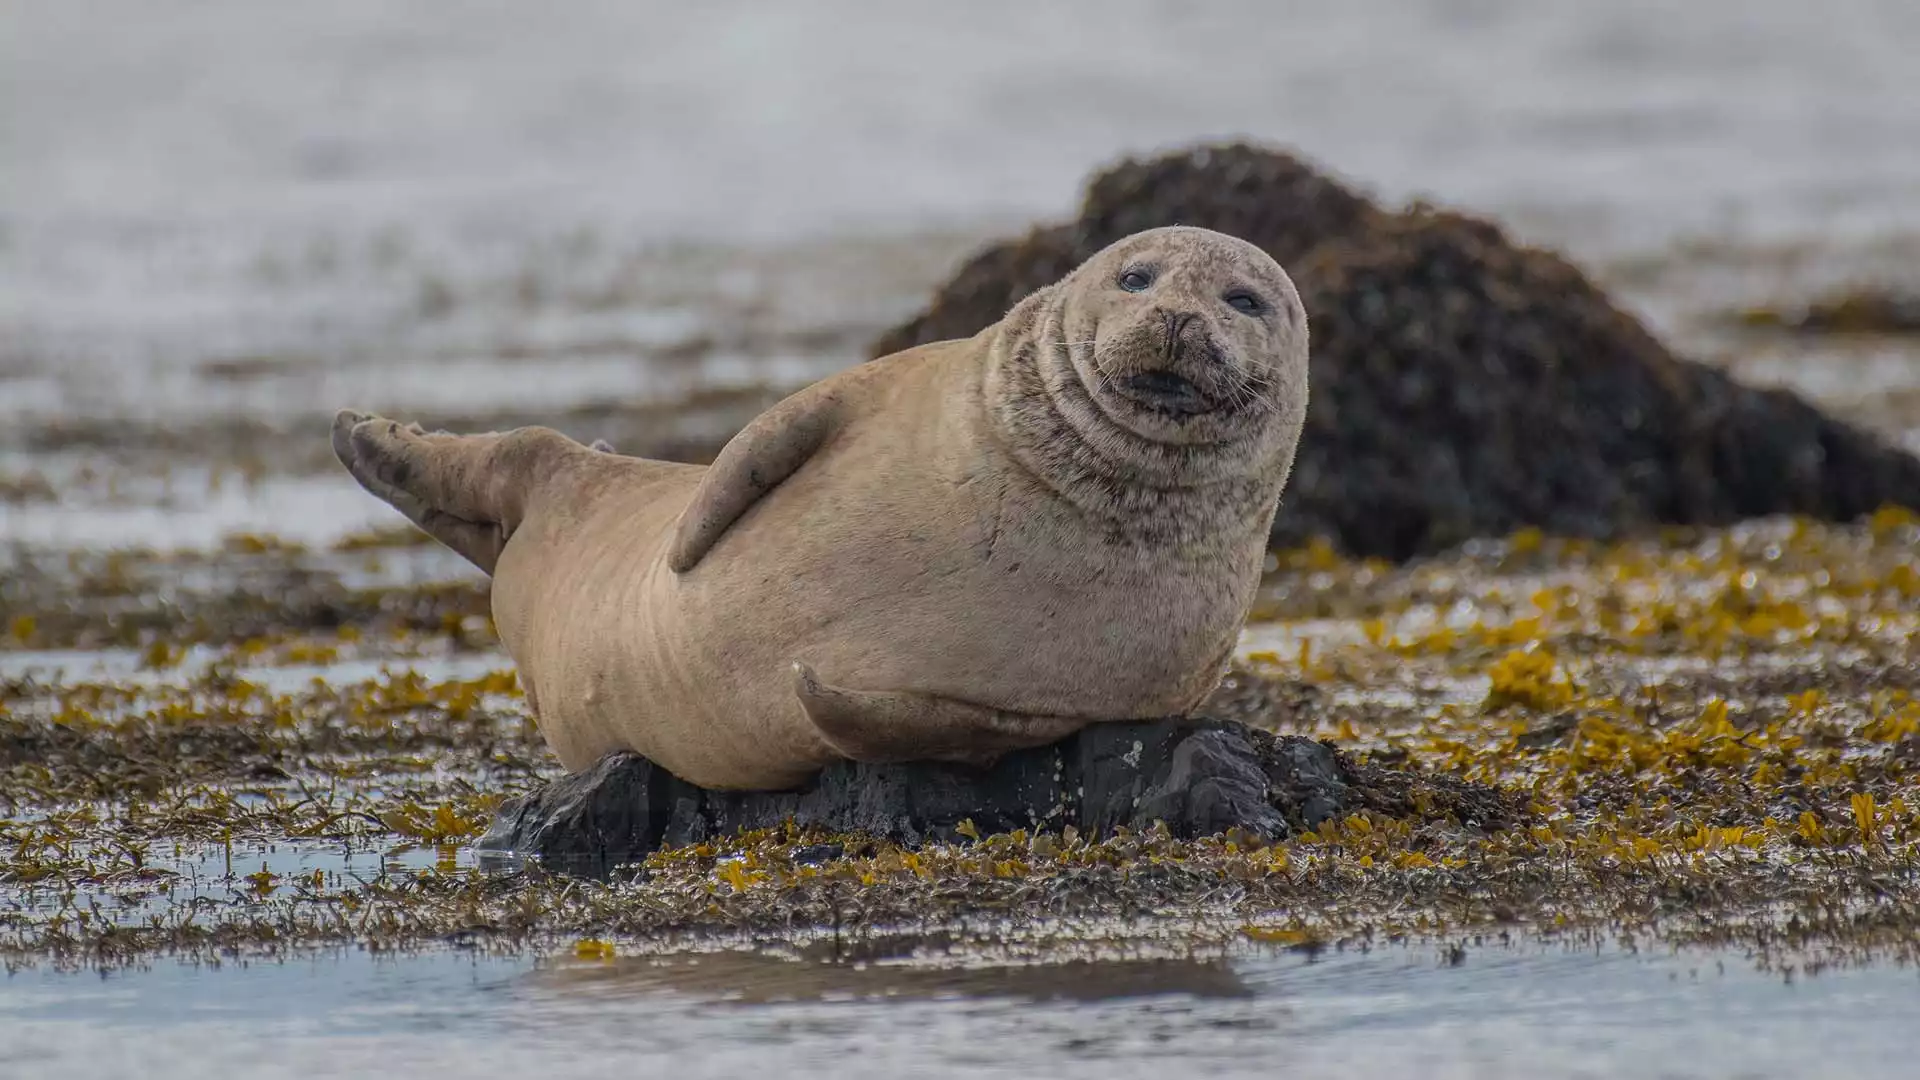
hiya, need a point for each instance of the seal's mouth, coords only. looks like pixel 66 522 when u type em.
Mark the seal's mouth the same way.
pixel 1164 392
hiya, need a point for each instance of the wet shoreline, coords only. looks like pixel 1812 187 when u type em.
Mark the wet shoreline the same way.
pixel 1724 716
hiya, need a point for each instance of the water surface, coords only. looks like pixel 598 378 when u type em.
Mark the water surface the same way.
pixel 1488 1012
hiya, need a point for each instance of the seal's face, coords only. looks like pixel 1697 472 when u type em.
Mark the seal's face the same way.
pixel 1183 335
pixel 1160 388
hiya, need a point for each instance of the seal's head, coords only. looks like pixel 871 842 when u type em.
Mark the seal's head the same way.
pixel 1186 336
pixel 1161 386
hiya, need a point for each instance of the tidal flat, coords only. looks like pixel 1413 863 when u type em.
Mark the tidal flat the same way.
pixel 1714 733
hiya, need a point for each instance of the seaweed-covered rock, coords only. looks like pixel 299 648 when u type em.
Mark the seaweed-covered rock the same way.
pixel 1463 385
pixel 1201 777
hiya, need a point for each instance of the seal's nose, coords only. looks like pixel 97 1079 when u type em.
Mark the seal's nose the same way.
pixel 1176 322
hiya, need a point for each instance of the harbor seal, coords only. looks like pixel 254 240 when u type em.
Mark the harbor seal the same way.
pixel 948 553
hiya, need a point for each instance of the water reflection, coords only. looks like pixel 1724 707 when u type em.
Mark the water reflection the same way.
pixel 921 1008
pixel 750 979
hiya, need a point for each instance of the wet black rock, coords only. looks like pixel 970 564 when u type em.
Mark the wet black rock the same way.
pixel 1201 777
pixel 1463 385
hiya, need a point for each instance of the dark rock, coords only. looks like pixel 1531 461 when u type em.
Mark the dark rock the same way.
pixel 1201 777
pixel 614 812
pixel 1213 782
pixel 1463 385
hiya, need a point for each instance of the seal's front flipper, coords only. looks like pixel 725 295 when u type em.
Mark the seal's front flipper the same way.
pixel 754 462
pixel 880 727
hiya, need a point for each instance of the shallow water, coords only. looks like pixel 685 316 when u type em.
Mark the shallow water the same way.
pixel 1500 1011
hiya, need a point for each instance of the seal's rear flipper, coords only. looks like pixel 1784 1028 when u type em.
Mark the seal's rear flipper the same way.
pixel 881 727
pixel 467 491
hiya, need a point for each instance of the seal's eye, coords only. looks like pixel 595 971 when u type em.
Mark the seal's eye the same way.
pixel 1246 301
pixel 1136 280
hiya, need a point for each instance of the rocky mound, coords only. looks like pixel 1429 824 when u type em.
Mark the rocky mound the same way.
pixel 1463 385
pixel 1199 777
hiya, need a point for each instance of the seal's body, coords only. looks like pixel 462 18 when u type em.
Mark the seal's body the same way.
pixel 946 553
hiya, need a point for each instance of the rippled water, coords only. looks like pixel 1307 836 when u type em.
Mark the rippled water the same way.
pixel 1498 1012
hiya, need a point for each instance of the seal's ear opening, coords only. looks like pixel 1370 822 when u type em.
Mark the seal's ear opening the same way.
pixel 891 727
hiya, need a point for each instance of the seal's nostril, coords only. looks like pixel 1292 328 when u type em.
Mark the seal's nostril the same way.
pixel 1176 322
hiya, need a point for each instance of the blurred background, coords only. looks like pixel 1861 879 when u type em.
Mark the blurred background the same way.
pixel 220 220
